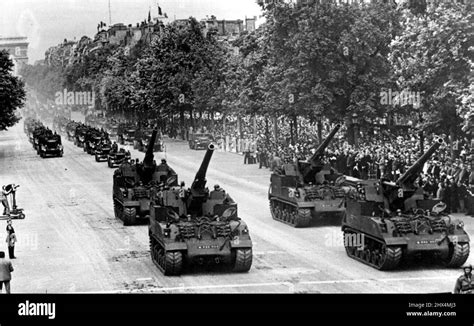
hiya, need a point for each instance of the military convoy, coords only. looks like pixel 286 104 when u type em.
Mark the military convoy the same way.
pixel 197 226
pixel 300 192
pixel 384 223
pixel 390 222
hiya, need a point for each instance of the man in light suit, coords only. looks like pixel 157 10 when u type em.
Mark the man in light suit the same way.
pixel 5 272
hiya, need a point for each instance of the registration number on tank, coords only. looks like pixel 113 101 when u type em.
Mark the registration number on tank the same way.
pixel 208 247
pixel 426 241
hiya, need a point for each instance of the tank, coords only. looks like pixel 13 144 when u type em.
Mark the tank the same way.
pixel 133 185
pixel 307 190
pixel 197 226
pixel 387 223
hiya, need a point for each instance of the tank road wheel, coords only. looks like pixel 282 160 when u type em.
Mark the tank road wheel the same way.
pixel 374 253
pixel 173 263
pixel 243 260
pixel 303 219
pixel 458 254
pixel 273 210
pixel 390 258
pixel 129 216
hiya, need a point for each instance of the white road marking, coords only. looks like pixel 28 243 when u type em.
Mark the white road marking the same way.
pixel 291 285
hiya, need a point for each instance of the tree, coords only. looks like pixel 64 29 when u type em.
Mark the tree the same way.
pixel 434 56
pixel 12 92
pixel 328 60
pixel 180 71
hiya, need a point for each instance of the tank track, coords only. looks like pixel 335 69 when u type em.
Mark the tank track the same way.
pixel 129 216
pixel 373 252
pixel 290 214
pixel 169 263
pixel 243 260
pixel 459 252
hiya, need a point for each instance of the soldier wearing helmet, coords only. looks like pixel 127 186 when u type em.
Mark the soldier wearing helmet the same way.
pixel 465 284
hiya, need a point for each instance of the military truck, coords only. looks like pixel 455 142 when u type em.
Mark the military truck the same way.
pixel 102 150
pixel 80 135
pixel 50 145
pixel 39 132
pixel 93 138
pixel 71 130
pixel 306 190
pixel 126 133
pixel 117 157
pixel 145 137
pixel 200 140
pixel 133 184
pixel 388 222
pixel 197 226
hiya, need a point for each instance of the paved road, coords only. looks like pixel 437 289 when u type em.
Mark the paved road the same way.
pixel 71 242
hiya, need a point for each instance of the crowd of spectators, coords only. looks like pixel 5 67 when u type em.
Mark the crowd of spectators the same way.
pixel 447 175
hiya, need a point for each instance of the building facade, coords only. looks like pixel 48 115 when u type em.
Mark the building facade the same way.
pixel 17 47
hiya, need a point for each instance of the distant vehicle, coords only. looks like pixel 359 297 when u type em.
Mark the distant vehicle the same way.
pixel 102 150
pixel 50 145
pixel 144 139
pixel 126 133
pixel 116 158
pixel 200 140
pixel 80 135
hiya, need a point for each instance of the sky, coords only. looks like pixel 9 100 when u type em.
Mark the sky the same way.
pixel 48 22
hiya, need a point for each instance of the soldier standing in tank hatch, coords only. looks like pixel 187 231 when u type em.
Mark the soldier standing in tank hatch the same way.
pixel 465 284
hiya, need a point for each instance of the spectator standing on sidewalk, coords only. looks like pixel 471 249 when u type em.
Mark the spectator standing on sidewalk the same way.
pixel 6 268
pixel 11 240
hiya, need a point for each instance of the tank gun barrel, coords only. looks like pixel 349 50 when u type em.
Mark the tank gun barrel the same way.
pixel 148 161
pixel 200 178
pixel 412 173
pixel 320 150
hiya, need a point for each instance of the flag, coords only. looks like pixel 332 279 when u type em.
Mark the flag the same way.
pixel 166 16
pixel 159 11
pixel 149 16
